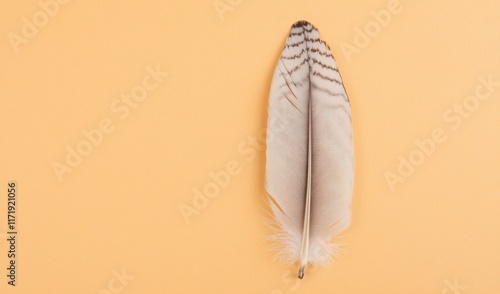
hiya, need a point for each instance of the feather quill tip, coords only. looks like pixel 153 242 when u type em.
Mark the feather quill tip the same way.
pixel 301 272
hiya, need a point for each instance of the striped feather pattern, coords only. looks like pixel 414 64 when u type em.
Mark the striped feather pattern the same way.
pixel 309 155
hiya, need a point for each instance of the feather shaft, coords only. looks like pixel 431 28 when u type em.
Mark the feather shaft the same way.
pixel 307 209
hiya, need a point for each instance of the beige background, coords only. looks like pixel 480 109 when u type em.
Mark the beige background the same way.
pixel 436 232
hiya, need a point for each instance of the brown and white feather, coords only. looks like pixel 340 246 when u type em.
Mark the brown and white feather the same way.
pixel 309 155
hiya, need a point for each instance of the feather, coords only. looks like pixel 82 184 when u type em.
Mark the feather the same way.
pixel 309 155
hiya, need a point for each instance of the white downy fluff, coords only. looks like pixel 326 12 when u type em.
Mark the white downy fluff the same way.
pixel 309 155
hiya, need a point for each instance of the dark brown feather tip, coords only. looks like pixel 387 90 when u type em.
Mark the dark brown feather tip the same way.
pixel 303 23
